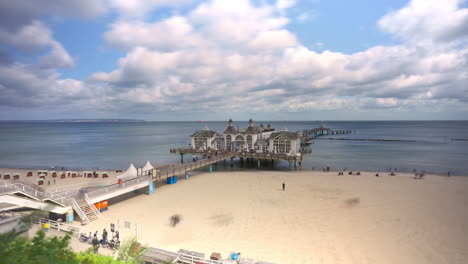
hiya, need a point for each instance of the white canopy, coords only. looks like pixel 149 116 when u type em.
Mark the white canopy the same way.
pixel 130 173
pixel 148 166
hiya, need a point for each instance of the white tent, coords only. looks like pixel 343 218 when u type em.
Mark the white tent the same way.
pixel 147 166
pixel 129 174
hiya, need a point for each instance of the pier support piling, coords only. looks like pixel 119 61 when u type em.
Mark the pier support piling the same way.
pixel 151 187
pixel 186 175
pixel 182 158
pixel 290 165
pixel 70 216
pixel 210 168
pixel 258 163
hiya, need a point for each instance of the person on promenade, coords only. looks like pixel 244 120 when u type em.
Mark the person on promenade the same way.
pixel 95 244
pixel 104 236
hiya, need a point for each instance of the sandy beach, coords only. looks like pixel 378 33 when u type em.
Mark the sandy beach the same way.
pixel 319 218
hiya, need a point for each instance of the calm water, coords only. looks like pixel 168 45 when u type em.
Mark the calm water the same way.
pixel 116 145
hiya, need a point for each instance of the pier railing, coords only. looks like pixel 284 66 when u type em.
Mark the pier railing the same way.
pixel 118 186
pixel 245 154
pixel 181 168
pixel 6 187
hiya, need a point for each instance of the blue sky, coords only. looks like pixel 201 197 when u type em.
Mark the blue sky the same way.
pixel 274 59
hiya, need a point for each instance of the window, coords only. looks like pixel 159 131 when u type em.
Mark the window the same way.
pixel 249 141
pixel 239 143
pixel 282 145
pixel 218 144
pixel 228 142
pixel 199 141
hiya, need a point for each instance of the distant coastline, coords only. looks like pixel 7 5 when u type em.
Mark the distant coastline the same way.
pixel 76 121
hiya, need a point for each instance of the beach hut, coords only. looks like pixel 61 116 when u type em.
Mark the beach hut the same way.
pixel 74 174
pixel 95 174
pixel 6 176
pixel 16 176
pixel 29 174
pixel 68 173
pixel 45 172
pixel 88 174
pixel 39 172
pixel 130 173
pixel 63 175
pixel 42 176
pixel 0 175
pixel 53 174
pixel 104 174
pixel 40 182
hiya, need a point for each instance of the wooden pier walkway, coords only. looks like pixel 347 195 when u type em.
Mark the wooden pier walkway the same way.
pixel 324 131
pixel 161 173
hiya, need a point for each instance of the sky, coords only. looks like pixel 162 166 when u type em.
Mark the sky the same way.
pixel 162 60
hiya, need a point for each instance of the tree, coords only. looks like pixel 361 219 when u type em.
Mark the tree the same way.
pixel 16 249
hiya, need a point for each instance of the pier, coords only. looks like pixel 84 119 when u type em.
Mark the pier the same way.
pixel 309 135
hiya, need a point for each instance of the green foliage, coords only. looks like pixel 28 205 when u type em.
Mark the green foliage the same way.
pixel 125 252
pixel 90 258
pixel 15 249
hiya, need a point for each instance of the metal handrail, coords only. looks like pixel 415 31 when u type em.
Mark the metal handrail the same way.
pixel 117 186
pixel 80 212
pixel 95 211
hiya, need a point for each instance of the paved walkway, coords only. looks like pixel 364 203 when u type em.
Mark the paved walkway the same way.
pixel 75 243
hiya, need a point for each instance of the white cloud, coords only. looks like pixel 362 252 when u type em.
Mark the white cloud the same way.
pixel 58 57
pixel 170 34
pixel 227 56
pixel 131 9
pixel 428 21
pixel 14 14
pixel 29 38
pixel 234 48
pixel 35 38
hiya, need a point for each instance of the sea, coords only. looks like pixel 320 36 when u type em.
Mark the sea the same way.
pixel 424 146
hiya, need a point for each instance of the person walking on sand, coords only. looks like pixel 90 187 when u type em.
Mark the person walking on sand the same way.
pixel 284 186
pixel 104 236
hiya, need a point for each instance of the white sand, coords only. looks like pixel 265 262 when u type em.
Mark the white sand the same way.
pixel 397 220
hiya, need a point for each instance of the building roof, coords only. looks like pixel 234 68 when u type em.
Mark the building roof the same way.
pixel 252 130
pixel 219 138
pixel 287 134
pixel 261 140
pixel 205 133
pixel 230 130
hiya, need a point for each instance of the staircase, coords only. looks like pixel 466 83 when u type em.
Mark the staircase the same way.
pixel 87 210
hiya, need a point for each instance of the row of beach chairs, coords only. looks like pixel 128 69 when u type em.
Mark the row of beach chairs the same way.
pixel 42 175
